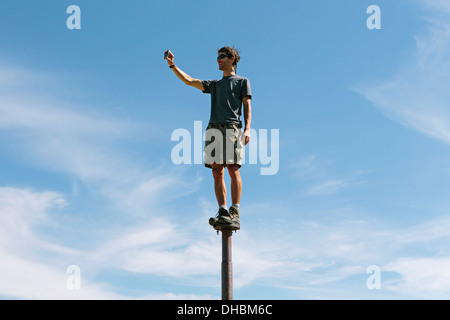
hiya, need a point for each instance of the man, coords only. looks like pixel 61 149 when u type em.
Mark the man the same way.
pixel 229 96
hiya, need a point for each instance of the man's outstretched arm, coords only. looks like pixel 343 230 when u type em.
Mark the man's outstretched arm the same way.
pixel 187 79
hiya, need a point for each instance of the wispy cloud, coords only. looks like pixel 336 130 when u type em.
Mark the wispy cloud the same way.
pixel 20 209
pixel 329 187
pixel 306 256
pixel 92 149
pixel 441 5
pixel 23 273
pixel 343 250
pixel 86 145
pixel 160 248
pixel 417 95
pixel 310 167
pixel 318 176
pixel 426 277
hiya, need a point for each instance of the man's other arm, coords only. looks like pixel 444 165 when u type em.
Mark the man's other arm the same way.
pixel 246 101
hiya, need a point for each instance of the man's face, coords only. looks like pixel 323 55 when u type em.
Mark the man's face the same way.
pixel 224 61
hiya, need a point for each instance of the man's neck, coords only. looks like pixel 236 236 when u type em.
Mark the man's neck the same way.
pixel 227 73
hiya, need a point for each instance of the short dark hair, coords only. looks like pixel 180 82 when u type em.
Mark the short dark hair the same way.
pixel 231 51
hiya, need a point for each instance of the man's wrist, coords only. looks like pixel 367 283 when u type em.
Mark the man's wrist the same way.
pixel 172 65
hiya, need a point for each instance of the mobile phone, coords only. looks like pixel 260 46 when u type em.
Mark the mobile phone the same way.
pixel 166 54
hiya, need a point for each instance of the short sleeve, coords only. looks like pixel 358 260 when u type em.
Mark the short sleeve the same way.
pixel 246 89
pixel 207 85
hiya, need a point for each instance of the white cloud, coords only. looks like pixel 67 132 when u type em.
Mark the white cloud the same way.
pixel 160 248
pixel 23 272
pixel 34 267
pixel 85 144
pixel 417 95
pixel 62 139
pixel 310 256
pixel 427 232
pixel 310 167
pixel 20 210
pixel 25 279
pixel 421 278
pixel 317 174
pixel 437 4
pixel 301 254
pixel 326 254
pixel 327 187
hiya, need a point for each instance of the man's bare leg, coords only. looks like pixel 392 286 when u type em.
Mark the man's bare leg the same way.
pixel 236 183
pixel 219 184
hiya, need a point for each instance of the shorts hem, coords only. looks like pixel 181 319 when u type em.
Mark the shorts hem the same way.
pixel 207 165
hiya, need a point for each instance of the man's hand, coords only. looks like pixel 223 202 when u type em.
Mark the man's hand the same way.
pixel 169 58
pixel 246 137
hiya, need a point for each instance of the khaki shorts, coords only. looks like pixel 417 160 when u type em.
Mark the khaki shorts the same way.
pixel 223 145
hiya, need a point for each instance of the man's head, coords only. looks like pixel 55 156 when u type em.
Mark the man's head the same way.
pixel 228 57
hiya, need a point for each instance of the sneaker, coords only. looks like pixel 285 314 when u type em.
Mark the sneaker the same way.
pixel 231 219
pixel 220 213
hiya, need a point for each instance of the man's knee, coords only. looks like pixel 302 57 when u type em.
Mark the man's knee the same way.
pixel 233 170
pixel 217 170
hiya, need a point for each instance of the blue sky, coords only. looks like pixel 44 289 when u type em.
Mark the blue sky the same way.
pixel 86 177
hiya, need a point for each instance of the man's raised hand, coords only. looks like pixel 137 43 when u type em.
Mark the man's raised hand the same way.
pixel 169 57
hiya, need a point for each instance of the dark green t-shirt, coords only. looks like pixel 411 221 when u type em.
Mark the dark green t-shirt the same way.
pixel 226 98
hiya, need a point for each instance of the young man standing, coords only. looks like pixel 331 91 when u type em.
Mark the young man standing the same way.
pixel 229 96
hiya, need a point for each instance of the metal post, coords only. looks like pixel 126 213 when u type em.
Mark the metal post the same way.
pixel 227 265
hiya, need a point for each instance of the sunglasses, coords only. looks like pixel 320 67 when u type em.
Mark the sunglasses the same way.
pixel 223 56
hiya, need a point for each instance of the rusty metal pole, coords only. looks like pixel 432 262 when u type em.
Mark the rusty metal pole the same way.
pixel 227 265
